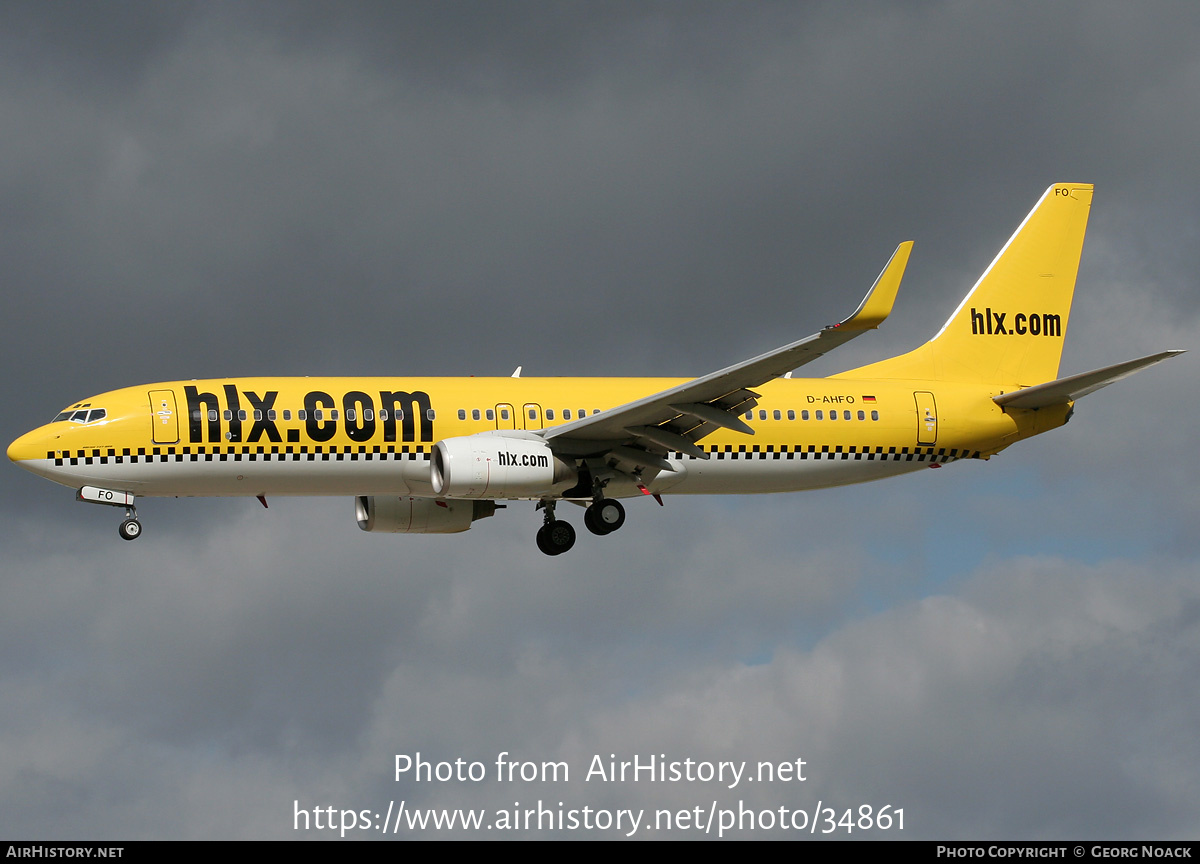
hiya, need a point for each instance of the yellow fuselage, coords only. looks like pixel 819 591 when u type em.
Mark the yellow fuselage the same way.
pixel 373 436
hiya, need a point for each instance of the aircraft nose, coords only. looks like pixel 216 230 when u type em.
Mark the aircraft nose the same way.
pixel 29 446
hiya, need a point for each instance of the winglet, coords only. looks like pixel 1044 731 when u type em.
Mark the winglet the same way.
pixel 877 305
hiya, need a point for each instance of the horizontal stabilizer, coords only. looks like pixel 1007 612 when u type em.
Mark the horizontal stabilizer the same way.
pixel 1069 389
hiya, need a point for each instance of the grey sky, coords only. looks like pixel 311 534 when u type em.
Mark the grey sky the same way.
pixel 191 190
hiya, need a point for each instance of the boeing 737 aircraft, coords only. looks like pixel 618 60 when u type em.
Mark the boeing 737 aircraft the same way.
pixel 432 455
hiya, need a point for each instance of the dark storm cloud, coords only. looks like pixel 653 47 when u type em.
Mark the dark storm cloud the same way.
pixel 106 48
pixel 279 188
pixel 270 160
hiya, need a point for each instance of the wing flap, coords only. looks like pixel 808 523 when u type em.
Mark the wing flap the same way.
pixel 664 437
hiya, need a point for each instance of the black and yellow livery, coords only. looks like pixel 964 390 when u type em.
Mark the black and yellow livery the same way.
pixel 431 455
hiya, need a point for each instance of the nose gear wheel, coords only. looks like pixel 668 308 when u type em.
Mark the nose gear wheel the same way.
pixel 131 528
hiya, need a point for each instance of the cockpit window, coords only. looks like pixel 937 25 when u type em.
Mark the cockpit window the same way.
pixel 81 415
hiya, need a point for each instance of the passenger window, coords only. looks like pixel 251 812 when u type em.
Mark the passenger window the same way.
pixel 791 414
pixel 503 413
pixel 368 414
pixel 566 413
pixel 532 414
pixel 874 415
pixel 832 415
pixel 350 414
pixel 212 415
pixel 318 414
pixel 804 414
pixel 333 414
pixel 474 413
pixel 302 414
pixel 777 415
pixel 80 416
pixel 862 415
pixel 749 415
pixel 549 413
pixel 383 414
pixel 271 414
pixel 462 414
pixel 287 413
pixel 820 415
pixel 398 414
pixel 490 414
pixel 257 414
pixel 430 414
pixel 762 414
pixel 845 415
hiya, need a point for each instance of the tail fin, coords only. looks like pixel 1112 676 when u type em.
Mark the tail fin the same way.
pixel 1010 328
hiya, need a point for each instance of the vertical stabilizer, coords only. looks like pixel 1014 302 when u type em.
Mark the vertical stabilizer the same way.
pixel 1010 328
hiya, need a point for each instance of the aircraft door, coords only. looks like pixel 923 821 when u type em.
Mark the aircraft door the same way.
pixel 164 419
pixel 531 412
pixel 506 418
pixel 926 418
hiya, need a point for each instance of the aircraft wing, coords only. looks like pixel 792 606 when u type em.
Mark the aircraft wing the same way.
pixel 1076 386
pixel 675 419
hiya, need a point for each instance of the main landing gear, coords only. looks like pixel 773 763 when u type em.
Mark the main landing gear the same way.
pixel 131 528
pixel 555 536
pixel 603 516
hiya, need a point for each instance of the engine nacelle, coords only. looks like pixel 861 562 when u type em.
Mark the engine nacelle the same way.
pixel 407 515
pixel 498 466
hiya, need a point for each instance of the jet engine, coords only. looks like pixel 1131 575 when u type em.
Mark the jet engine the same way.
pixel 498 466
pixel 406 515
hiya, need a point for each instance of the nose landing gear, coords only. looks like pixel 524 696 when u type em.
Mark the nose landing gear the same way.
pixel 131 528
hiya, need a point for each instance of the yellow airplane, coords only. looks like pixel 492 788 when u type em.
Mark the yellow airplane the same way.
pixel 432 455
